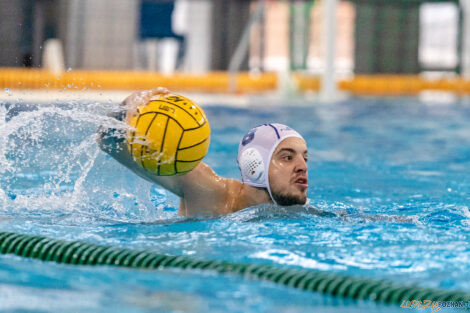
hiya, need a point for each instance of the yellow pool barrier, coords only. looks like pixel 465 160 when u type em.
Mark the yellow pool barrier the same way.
pixel 124 80
pixel 402 85
pixel 217 82
pixel 388 85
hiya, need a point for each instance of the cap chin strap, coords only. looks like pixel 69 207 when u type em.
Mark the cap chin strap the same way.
pixel 264 187
pixel 270 155
pixel 271 196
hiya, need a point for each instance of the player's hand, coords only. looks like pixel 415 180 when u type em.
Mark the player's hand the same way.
pixel 110 138
pixel 138 98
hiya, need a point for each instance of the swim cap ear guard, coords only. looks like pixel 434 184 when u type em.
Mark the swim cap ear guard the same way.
pixel 251 163
pixel 255 152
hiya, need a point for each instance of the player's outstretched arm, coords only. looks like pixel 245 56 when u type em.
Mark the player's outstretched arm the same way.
pixel 112 140
pixel 201 186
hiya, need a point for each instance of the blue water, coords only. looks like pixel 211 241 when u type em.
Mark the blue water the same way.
pixel 376 160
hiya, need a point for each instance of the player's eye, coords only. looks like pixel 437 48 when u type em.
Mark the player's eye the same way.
pixel 287 157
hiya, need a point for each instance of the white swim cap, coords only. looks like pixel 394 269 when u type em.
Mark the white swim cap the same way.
pixel 255 152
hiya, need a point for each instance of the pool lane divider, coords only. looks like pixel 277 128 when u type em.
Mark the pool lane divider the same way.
pixel 81 253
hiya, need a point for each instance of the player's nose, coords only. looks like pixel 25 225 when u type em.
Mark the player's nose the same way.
pixel 301 164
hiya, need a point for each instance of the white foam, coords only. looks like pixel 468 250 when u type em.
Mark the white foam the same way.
pixel 289 258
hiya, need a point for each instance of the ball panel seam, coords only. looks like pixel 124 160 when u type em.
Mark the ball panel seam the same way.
pixel 178 149
pixel 163 142
pixel 188 147
pixel 205 121
pixel 145 147
pixel 189 161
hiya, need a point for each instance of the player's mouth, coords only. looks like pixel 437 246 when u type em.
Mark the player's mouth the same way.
pixel 302 181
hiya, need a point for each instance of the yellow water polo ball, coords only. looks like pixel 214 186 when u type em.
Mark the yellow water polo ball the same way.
pixel 169 135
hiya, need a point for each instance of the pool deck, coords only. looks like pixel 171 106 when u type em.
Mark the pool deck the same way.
pixel 42 96
pixel 115 96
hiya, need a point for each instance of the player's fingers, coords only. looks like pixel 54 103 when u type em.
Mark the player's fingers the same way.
pixel 159 91
pixel 142 97
pixel 147 94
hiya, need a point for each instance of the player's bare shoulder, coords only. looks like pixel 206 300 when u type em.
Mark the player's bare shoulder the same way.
pixel 207 192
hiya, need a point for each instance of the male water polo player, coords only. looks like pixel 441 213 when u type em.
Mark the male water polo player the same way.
pixel 272 160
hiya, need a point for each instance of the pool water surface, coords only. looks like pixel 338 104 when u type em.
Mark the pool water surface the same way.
pixel 396 169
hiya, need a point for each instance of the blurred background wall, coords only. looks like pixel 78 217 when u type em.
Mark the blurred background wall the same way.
pixel 196 36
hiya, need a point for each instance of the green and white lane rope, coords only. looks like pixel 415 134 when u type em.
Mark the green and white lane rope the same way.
pixel 81 253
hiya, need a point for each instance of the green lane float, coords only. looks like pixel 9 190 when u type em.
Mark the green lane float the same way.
pixel 80 253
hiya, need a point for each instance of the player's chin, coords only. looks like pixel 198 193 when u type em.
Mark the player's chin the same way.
pixel 302 198
pixel 294 198
pixel 301 195
pixel 300 191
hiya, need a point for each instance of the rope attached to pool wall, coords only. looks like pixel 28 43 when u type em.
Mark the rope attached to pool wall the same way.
pixel 80 253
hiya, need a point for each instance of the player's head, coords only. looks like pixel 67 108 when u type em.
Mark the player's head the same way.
pixel 274 156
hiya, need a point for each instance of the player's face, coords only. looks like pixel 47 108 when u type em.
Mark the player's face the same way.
pixel 288 172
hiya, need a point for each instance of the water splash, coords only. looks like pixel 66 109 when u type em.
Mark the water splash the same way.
pixel 6 165
pixel 3 198
pixel 48 162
